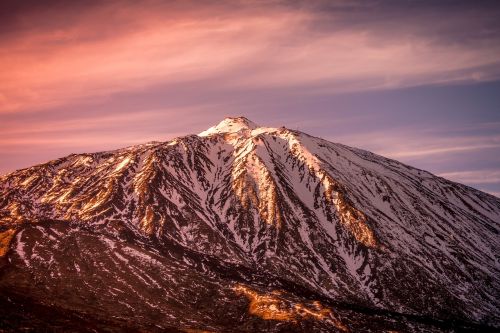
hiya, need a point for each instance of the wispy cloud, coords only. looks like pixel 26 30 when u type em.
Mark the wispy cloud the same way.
pixel 474 176
pixel 328 47
pixel 412 143
pixel 419 152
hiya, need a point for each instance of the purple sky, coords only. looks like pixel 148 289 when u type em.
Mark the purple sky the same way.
pixel 418 81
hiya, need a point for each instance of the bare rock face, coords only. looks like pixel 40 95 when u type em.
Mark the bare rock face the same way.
pixel 245 228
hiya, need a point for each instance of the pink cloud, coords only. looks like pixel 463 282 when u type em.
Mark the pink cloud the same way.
pixel 143 46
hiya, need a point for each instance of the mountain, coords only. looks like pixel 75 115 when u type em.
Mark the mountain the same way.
pixel 243 228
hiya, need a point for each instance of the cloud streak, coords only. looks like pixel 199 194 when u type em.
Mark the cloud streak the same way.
pixel 474 176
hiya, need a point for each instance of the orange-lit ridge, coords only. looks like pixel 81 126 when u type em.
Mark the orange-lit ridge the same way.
pixel 5 239
pixel 272 306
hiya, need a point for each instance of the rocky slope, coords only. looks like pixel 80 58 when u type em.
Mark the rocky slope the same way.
pixel 241 229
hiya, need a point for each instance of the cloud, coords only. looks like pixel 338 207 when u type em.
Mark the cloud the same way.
pixel 410 143
pixel 474 176
pixel 59 54
pixel 419 152
pixel 95 131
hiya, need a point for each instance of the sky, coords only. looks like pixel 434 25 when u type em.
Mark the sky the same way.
pixel 417 81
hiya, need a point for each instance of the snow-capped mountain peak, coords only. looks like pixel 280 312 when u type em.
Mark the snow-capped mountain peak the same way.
pixel 231 214
pixel 230 125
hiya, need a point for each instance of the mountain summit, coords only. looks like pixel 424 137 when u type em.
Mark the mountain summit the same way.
pixel 230 125
pixel 243 228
